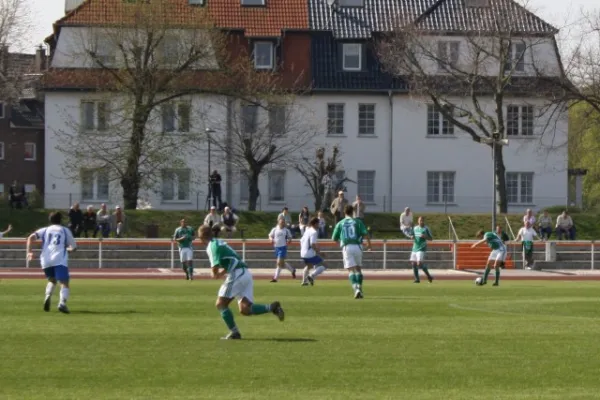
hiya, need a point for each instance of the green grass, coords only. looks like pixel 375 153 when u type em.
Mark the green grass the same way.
pixel 258 224
pixel 159 340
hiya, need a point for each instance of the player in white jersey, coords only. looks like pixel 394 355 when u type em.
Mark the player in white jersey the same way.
pixel 309 252
pixel 280 238
pixel 57 243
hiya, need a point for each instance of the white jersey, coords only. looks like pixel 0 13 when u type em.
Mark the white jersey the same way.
pixel 309 238
pixel 55 240
pixel 280 236
pixel 527 234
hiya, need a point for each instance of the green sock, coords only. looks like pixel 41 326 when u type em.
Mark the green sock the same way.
pixel 353 282
pixel 497 274
pixel 486 274
pixel 359 280
pixel 426 270
pixel 227 316
pixel 257 309
pixel 190 271
pixel 184 268
pixel 416 272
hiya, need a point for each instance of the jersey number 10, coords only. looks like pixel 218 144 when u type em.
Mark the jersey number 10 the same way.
pixel 349 232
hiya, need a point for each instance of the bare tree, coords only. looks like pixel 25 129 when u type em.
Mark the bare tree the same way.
pixel 149 66
pixel 470 79
pixel 319 174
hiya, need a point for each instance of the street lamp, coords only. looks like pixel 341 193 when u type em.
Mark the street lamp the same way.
pixel 495 140
pixel 208 132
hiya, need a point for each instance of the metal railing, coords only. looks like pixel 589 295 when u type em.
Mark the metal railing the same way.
pixel 453 235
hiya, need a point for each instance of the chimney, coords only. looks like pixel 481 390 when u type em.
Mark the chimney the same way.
pixel 40 59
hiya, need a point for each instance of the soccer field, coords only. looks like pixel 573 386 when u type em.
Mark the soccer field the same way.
pixel 160 340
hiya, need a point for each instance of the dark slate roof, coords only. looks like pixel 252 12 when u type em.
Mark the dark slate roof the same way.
pixel 434 15
pixel 328 74
pixel 27 114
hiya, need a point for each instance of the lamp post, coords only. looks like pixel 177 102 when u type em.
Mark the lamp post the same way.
pixel 208 132
pixel 495 140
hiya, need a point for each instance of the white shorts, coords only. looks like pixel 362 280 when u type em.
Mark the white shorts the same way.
pixel 417 256
pixel 238 284
pixel 186 254
pixel 352 255
pixel 497 255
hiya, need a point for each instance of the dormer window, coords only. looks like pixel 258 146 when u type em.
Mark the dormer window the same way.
pixel 352 56
pixel 196 2
pixel 263 55
pixel 351 3
pixel 253 2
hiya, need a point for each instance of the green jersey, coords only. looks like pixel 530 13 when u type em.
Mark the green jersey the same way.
pixel 221 254
pixel 494 241
pixel 349 231
pixel 420 236
pixel 184 232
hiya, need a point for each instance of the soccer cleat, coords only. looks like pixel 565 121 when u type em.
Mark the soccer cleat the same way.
pixel 495 284
pixel 358 295
pixel 304 284
pixel 310 280
pixel 232 336
pixel 273 281
pixel 430 279
pixel 278 310
pixel 64 309
pixel 415 281
pixel 294 273
pixel 47 304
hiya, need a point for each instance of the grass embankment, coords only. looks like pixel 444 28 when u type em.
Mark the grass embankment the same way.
pixel 258 224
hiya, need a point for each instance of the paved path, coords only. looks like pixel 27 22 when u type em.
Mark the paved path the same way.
pixel 166 273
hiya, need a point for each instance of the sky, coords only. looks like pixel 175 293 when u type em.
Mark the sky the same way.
pixel 560 13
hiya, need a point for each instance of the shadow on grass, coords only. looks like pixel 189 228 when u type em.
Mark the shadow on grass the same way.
pixel 107 312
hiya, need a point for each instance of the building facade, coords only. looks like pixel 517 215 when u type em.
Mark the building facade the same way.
pixel 398 150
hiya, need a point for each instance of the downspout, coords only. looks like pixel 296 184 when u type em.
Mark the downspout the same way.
pixel 391 149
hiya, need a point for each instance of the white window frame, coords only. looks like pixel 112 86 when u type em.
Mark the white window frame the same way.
pixel 1 150
pixel 2 110
pixel 515 63
pixel 175 174
pixel 360 186
pixel 178 124
pixel 357 51
pixel 271 50
pixel 273 197
pixel 448 54
pixel 522 198
pixel 335 119
pixel 34 151
pixel 437 124
pixel 244 188
pixel 252 2
pixel 439 178
pixel 96 117
pixel 366 119
pixel 105 51
pixel 95 174
pixel 524 112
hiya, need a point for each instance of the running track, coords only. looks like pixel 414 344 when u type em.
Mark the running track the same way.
pixel 263 274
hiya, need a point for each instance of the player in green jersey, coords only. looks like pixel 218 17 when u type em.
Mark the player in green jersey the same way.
pixel 350 233
pixel 184 236
pixel 225 262
pixel 420 235
pixel 497 256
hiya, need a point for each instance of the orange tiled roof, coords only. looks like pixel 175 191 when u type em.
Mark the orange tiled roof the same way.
pixel 269 21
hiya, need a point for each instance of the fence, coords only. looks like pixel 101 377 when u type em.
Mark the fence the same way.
pixel 385 254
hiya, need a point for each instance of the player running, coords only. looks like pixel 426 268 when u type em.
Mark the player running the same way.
pixel 57 243
pixel 420 235
pixel 350 232
pixel 498 254
pixel 280 238
pixel 184 236
pixel 225 262
pixel 309 252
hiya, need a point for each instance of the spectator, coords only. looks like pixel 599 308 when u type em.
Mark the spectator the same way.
pixel 75 220
pixel 303 219
pixel 103 220
pixel 118 221
pixel 285 214
pixel 322 225
pixel 337 207
pixel 215 189
pixel 545 226
pixel 213 219
pixel 406 222
pixel 527 235
pixel 529 217
pixel 564 226
pixel 359 209
pixel 6 231
pixel 229 220
pixel 89 222
pixel 17 198
pixel 503 235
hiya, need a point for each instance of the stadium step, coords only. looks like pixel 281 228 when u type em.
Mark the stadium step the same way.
pixel 468 258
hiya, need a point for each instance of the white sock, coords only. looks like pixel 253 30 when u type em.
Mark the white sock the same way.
pixel 304 274
pixel 318 271
pixel 64 296
pixel 289 267
pixel 277 272
pixel 50 289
